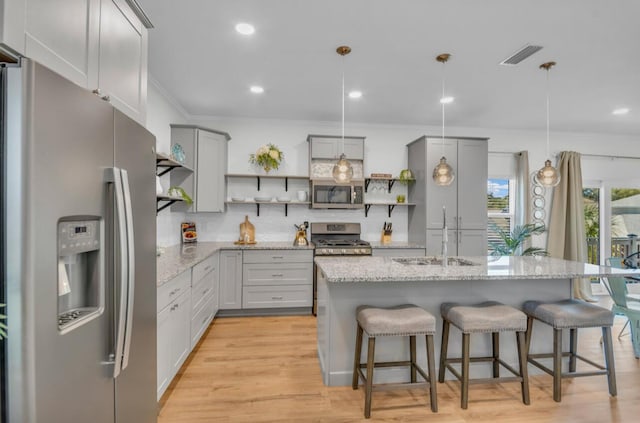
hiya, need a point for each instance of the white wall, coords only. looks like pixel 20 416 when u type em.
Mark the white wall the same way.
pixel 385 151
pixel 162 110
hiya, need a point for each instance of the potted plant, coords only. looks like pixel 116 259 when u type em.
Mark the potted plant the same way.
pixel 406 177
pixel 267 156
pixel 512 243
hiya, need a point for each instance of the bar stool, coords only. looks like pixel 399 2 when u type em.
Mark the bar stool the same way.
pixel 571 314
pixel 404 320
pixel 487 317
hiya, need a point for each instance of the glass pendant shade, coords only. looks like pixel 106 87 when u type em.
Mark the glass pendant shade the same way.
pixel 342 171
pixel 443 174
pixel 548 176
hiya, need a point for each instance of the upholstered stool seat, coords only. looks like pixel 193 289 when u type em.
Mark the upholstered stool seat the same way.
pixel 487 317
pixel 571 314
pixel 404 320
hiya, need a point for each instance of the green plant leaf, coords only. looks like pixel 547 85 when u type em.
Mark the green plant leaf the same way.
pixel 182 194
pixel 514 240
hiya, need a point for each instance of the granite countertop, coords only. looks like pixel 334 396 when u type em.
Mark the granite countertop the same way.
pixel 385 269
pixel 396 244
pixel 178 258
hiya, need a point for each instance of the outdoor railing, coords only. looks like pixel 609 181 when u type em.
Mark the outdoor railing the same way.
pixel 620 247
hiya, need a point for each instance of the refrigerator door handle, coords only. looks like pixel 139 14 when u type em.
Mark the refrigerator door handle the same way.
pixel 131 278
pixel 114 175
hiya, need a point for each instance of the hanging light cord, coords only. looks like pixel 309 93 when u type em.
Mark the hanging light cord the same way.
pixel 548 113
pixel 441 102
pixel 342 104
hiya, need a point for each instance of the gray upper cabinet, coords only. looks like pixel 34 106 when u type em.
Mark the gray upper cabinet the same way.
pixel 100 45
pixel 206 154
pixel 122 74
pixel 63 35
pixel 330 147
pixel 465 199
pixel 12 17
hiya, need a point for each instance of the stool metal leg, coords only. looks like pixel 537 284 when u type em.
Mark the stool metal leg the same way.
pixel 443 350
pixel 609 362
pixel 495 339
pixel 432 372
pixel 369 386
pixel 557 364
pixel 522 361
pixel 464 399
pixel 356 359
pixel 412 352
pixel 573 348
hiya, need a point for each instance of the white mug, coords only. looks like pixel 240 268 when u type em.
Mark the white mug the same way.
pixel 302 195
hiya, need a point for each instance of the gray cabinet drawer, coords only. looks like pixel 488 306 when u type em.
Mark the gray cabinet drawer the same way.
pixel 277 296
pixel 205 266
pixel 172 289
pixel 278 256
pixel 202 289
pixel 201 320
pixel 277 274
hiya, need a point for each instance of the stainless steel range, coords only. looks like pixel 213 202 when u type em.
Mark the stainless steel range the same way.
pixel 336 239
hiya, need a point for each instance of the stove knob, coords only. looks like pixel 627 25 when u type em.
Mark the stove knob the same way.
pixel 330 250
pixel 344 251
pixel 356 250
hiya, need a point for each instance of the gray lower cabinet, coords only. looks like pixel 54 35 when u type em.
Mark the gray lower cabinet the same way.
pixel 173 328
pixel 277 278
pixel 230 297
pixel 398 252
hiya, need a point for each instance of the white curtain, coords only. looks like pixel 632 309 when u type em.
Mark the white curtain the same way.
pixel 566 236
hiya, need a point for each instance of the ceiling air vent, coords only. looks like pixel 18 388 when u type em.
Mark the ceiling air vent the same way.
pixel 520 55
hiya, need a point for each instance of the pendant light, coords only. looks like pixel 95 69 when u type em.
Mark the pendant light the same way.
pixel 342 170
pixel 443 173
pixel 548 176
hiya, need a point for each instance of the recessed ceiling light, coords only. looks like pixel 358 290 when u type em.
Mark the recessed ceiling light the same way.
pixel 256 89
pixel 621 111
pixel 355 94
pixel 446 100
pixel 245 28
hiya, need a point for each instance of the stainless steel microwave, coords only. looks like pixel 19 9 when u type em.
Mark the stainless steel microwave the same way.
pixel 327 194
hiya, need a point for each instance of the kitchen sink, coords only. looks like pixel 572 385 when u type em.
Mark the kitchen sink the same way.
pixel 434 261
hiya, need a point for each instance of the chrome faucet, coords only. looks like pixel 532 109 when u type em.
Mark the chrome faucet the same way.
pixel 444 237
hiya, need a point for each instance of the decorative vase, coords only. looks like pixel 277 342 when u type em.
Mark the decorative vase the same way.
pixel 266 169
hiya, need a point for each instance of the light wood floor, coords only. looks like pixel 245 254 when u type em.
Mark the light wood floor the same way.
pixel 265 369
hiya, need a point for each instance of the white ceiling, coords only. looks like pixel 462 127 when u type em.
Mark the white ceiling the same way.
pixel 196 55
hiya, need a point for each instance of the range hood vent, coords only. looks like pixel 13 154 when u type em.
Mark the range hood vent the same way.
pixel 520 55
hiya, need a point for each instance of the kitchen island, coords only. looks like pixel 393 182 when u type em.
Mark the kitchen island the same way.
pixel 344 283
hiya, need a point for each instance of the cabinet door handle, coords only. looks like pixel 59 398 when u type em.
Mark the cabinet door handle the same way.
pixel 277 275
pixel 172 292
pixel 276 297
pixel 205 292
pixel 277 257
pixel 459 222
pixel 207 268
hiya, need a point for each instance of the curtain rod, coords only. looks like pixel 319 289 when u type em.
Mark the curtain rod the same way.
pixel 604 156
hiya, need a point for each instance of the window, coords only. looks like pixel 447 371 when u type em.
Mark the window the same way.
pixel 500 207
pixel 591 198
pixel 625 220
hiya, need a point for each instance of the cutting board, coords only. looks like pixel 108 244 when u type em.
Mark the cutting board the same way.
pixel 247 227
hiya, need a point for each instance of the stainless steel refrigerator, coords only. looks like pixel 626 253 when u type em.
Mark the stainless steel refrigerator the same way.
pixel 79 269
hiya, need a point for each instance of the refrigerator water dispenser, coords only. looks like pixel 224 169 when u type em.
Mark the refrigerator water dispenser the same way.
pixel 80 271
